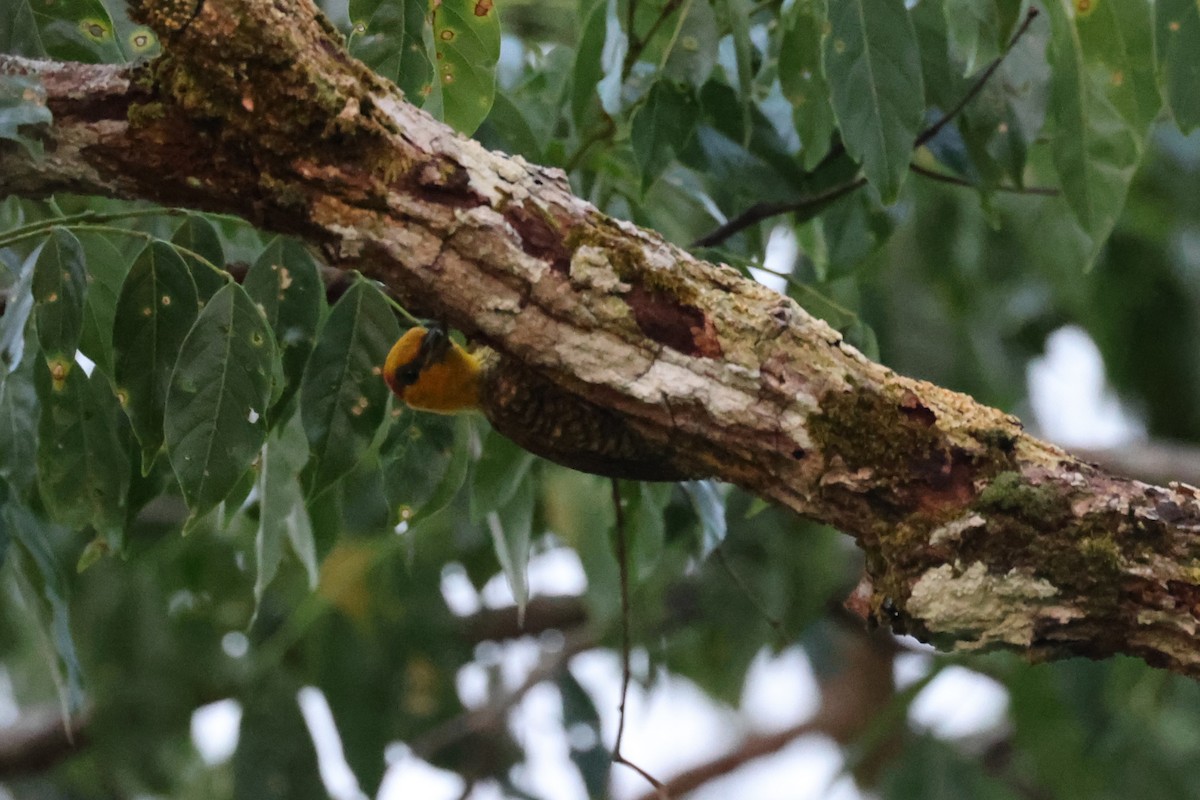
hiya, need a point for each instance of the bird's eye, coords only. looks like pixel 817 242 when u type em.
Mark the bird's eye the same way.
pixel 407 375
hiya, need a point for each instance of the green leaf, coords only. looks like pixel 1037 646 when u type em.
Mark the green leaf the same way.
pixel 974 32
pixel 498 474
pixel 107 268
pixel 466 41
pixel 1094 150
pixel 282 514
pixel 941 76
pixel 197 237
pixel 645 527
pixel 16 314
pixel 342 396
pixel 388 36
pixel 874 73
pixel 1178 40
pixel 612 59
pixel 511 527
pixel 83 471
pixel 275 757
pixel 935 770
pixel 802 79
pixel 59 284
pixel 1118 44
pixel 709 504
pixel 218 394
pixel 286 284
pixel 588 71
pixel 424 460
pixel 736 16
pixel 34 535
pixel 661 127
pixel 591 758
pixel 155 311
pixel 18 431
pixel 67 30
pixel 1006 118
pixel 694 52
pixel 22 103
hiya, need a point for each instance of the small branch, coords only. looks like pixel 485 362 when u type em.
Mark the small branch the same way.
pixel 954 180
pixel 555 612
pixel 638 44
pixel 40 740
pixel 977 87
pixel 1156 462
pixel 626 620
pixel 493 715
pixel 761 211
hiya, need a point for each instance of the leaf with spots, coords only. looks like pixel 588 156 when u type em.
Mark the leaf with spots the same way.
pixel 692 54
pixel 1178 39
pixel 67 30
pixel 155 310
pixel 83 471
pixel 219 391
pixel 874 73
pixel 286 284
pixel 466 44
pixel 342 394
pixel 1118 45
pixel 1094 148
pixel 59 285
pixel 388 36
pixel 802 79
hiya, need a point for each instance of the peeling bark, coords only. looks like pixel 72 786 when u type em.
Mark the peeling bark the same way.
pixel 976 534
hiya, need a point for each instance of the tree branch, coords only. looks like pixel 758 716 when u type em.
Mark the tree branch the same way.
pixel 976 534
pixel 39 740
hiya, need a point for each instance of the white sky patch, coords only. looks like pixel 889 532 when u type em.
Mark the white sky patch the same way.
pixel 457 590
pixel 331 760
pixel 215 730
pixel 410 777
pixel 667 730
pixel 536 723
pixel 552 572
pixel 807 769
pixel 780 690
pixel 782 249
pixel 1071 399
pixel 86 363
pixel 960 703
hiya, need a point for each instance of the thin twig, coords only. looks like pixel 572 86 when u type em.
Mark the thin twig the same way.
pixel 493 715
pixel 925 172
pixel 626 673
pixel 757 213
pixel 977 87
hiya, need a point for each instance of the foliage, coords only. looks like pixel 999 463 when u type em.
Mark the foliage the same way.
pixel 1053 181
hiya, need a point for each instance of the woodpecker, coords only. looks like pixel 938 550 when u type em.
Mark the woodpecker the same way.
pixel 431 372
